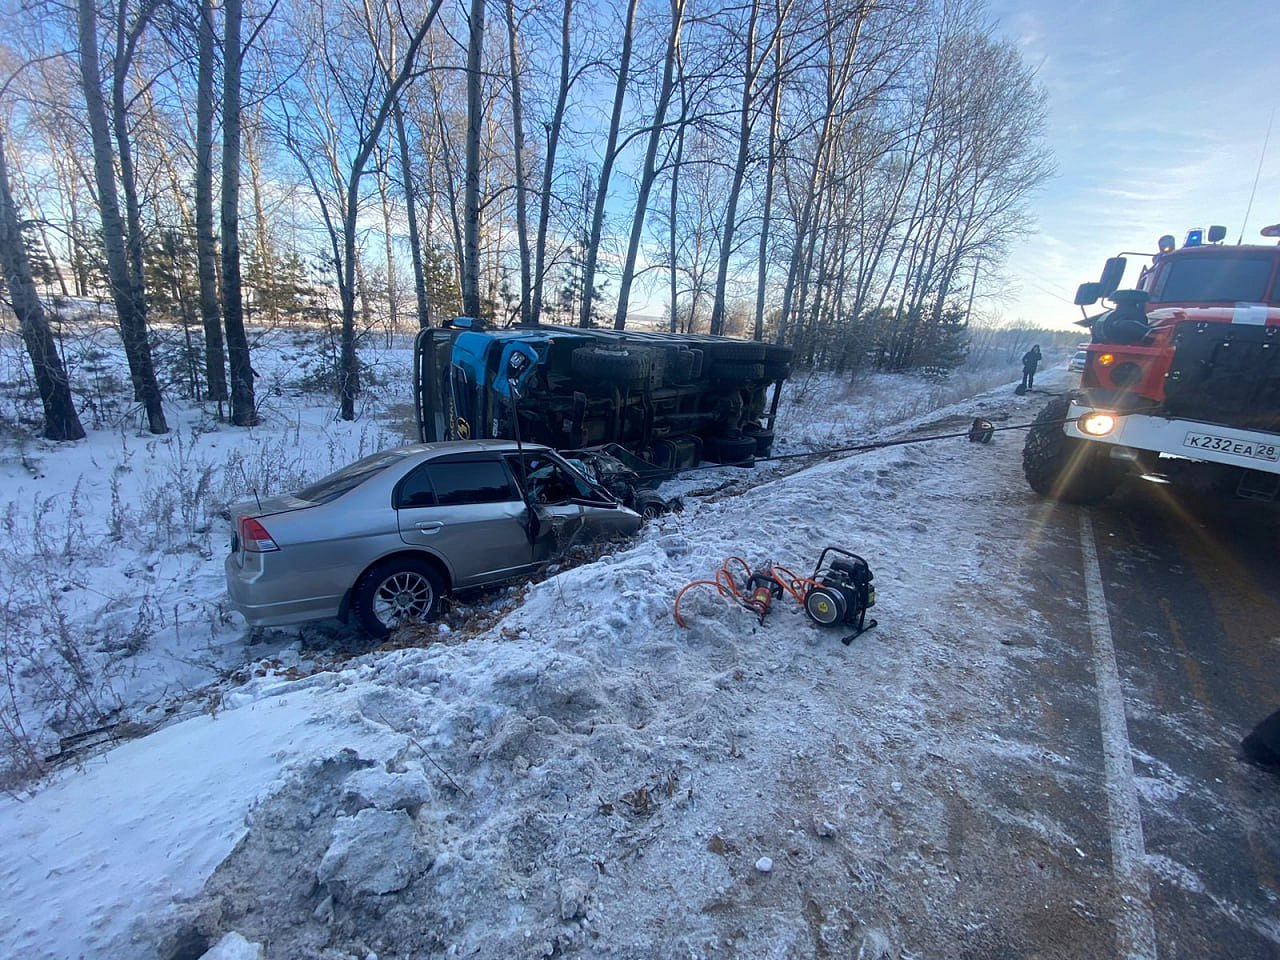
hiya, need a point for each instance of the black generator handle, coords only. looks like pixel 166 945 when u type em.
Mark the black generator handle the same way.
pixel 822 557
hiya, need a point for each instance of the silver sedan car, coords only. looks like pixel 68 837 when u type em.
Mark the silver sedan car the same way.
pixel 386 538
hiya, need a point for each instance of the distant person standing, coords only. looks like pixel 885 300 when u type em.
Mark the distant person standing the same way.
pixel 1030 360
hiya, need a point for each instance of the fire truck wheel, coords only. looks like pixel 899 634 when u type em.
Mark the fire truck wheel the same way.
pixel 1065 468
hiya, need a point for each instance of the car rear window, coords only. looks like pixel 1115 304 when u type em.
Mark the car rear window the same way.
pixel 349 477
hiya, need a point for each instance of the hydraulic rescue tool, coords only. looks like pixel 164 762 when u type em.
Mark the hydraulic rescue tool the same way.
pixel 837 594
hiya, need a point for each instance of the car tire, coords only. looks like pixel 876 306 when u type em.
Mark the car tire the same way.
pixel 395 592
pixel 650 504
pixel 1065 468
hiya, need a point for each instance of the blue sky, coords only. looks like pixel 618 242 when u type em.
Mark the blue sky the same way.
pixel 1157 117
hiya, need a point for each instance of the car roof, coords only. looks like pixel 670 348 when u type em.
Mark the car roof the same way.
pixel 469 446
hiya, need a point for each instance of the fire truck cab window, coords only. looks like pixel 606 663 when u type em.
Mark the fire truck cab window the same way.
pixel 1213 280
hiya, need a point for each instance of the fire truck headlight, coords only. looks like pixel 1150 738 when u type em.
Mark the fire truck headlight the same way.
pixel 1097 424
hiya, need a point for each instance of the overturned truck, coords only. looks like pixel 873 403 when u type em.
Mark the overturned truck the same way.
pixel 671 401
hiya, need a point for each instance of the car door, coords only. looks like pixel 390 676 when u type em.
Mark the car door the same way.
pixel 569 506
pixel 467 509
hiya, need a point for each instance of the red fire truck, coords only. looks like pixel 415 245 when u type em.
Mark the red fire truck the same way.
pixel 1181 382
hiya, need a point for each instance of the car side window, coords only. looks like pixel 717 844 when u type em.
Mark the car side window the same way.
pixel 415 490
pixel 471 481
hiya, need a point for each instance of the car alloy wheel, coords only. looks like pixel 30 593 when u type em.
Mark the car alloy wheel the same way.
pixel 397 592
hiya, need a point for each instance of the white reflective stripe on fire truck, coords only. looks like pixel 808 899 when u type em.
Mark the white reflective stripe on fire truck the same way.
pixel 1254 313
pixel 1170 436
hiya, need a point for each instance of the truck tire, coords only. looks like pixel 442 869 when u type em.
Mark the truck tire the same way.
pixel 733 351
pixel 736 451
pixel 1065 468
pixel 736 370
pixel 763 439
pixel 625 367
pixel 777 353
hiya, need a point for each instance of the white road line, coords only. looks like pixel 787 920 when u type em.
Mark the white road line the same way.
pixel 1135 926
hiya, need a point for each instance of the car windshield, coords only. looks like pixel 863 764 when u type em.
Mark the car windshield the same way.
pixel 556 480
pixel 349 477
pixel 1204 279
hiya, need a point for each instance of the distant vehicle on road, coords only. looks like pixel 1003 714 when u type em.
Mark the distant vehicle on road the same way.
pixel 388 537
pixel 1077 361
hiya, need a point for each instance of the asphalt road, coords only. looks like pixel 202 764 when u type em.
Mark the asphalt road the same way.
pixel 1168 653
pixel 1193 605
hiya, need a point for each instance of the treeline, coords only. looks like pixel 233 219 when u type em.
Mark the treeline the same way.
pixel 841 175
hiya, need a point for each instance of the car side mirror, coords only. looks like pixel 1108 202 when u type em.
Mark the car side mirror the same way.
pixel 1216 233
pixel 1112 274
pixel 1088 293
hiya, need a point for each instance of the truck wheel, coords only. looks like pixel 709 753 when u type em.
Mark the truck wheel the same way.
pixel 626 366
pixel 730 351
pixel 1065 468
pixel 395 592
pixel 736 370
pixel 763 439
pixel 732 451
pixel 777 353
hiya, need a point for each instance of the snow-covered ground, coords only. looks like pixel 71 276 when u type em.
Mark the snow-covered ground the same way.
pixel 559 770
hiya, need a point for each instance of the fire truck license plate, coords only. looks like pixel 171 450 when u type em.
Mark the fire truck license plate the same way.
pixel 1241 448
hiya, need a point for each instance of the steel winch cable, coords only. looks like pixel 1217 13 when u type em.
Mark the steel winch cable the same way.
pixel 881 444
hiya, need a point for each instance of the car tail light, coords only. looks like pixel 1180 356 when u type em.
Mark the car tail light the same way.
pixel 254 537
